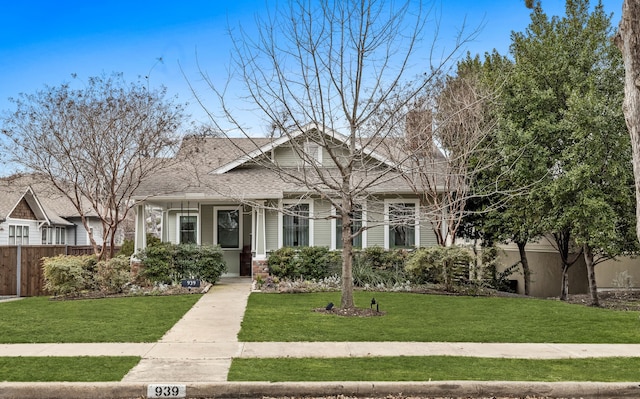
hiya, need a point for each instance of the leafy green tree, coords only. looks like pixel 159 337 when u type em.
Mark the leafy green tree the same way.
pixel 561 103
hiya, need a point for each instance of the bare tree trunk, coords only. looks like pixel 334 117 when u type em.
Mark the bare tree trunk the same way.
pixel 346 301
pixel 591 275
pixel 628 41
pixel 564 283
pixel 525 267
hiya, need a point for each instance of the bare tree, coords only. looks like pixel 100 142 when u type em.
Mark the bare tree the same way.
pixel 628 41
pixel 334 65
pixel 446 134
pixel 96 144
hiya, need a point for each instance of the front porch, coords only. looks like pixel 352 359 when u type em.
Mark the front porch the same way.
pixel 238 229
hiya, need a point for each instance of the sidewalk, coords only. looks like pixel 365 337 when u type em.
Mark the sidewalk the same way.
pixel 201 345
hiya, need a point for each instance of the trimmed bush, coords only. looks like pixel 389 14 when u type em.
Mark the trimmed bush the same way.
pixel 157 263
pixel 169 263
pixel 113 274
pixel 69 275
pixel 448 266
pixel 304 263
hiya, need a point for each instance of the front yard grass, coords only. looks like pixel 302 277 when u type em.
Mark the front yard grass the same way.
pixel 434 368
pixel 130 319
pixel 75 369
pixel 430 318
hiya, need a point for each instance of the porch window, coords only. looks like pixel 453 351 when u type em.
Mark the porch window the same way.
pixel 295 224
pixel 228 228
pixel 188 229
pixel 402 225
pixel 18 235
pixel 356 224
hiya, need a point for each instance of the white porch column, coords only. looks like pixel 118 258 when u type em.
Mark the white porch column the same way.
pixel 259 242
pixel 140 241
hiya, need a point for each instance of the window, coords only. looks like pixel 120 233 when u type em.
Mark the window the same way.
pixel 18 235
pixel 228 228
pixel 313 152
pixel 187 229
pixel 51 235
pixel 60 235
pixel 402 224
pixel 356 224
pixel 46 235
pixel 295 226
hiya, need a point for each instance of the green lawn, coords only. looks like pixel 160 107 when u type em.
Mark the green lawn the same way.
pixel 435 368
pixel 76 369
pixel 426 318
pixel 131 319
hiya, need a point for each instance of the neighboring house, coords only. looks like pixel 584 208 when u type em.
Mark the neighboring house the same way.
pixel 220 193
pixel 33 212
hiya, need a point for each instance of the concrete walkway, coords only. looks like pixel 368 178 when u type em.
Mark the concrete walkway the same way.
pixel 200 347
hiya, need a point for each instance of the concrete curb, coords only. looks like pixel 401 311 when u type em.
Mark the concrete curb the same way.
pixel 466 389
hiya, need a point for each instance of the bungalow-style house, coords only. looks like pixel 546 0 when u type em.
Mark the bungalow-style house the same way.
pixel 222 191
pixel 32 212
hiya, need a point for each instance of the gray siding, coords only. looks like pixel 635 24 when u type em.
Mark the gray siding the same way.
pixel 286 156
pixel 322 225
pixel 427 236
pixel 375 216
pixel 271 222
pixel 206 224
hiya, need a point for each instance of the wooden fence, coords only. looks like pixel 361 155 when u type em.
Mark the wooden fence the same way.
pixel 29 281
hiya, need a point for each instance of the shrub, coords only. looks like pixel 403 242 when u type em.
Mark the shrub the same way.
pixel 376 267
pixel 169 263
pixel 127 248
pixel 158 263
pixel 113 274
pixel 207 262
pixel 305 263
pixel 440 265
pixel 68 275
pixel 283 263
pixel 318 262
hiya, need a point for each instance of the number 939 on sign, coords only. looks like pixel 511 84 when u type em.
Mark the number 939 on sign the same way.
pixel 166 391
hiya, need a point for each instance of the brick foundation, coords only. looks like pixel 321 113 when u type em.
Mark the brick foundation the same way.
pixel 259 268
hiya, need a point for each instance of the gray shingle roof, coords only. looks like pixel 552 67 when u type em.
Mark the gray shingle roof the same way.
pixel 190 174
pixel 55 205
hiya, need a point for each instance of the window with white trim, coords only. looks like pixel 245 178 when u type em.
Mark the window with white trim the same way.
pixel 228 227
pixel 401 227
pixel 61 234
pixel 18 235
pixel 187 229
pixel 313 152
pixel 295 225
pixel 47 238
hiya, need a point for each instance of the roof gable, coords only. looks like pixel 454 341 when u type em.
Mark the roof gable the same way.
pixel 266 148
pixel 18 199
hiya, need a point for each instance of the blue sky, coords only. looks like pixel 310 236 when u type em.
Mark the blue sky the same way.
pixel 44 42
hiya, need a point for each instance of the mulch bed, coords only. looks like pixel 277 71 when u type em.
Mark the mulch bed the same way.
pixel 351 312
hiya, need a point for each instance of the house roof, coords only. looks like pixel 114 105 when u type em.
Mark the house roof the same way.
pixel 219 168
pixel 48 204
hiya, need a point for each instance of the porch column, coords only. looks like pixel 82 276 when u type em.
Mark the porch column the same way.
pixel 259 244
pixel 140 241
